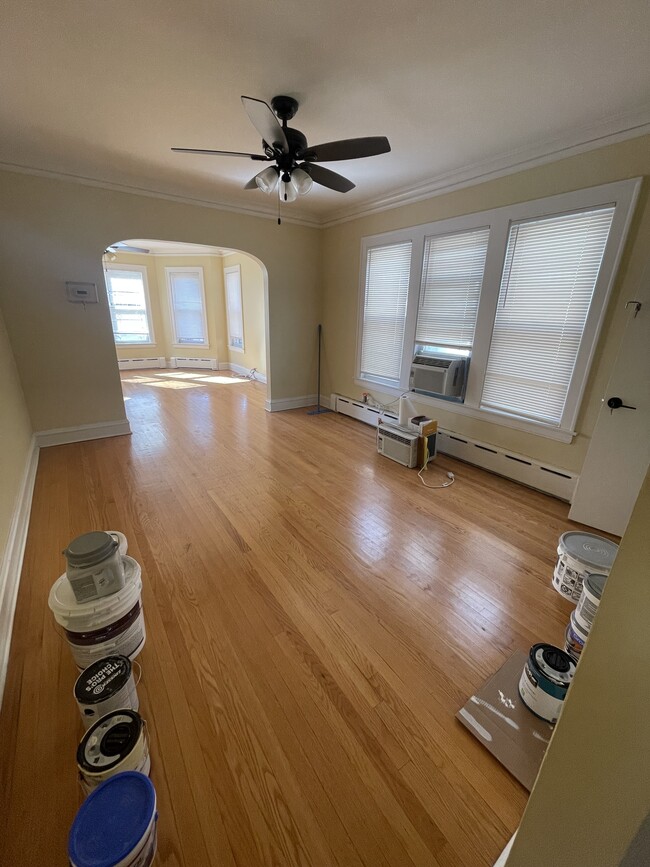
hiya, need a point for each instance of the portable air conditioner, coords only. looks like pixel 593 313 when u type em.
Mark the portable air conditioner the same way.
pixel 438 374
pixel 397 445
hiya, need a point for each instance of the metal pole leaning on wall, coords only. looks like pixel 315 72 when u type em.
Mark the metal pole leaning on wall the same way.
pixel 319 409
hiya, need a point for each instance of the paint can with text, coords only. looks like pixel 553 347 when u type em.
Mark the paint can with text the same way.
pixel 545 680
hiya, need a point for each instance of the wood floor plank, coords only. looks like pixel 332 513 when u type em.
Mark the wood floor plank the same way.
pixel 315 618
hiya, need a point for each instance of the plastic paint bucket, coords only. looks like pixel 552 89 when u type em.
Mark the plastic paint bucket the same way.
pixel 94 565
pixel 579 555
pixel 592 590
pixel 106 685
pixel 545 680
pixel 116 742
pixel 575 638
pixel 101 627
pixel 116 825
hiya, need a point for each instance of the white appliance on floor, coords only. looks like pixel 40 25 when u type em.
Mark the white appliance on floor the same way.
pixel 398 445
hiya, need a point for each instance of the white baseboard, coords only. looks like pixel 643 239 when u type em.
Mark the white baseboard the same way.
pixel 141 363
pixel 503 857
pixel 284 403
pixel 12 560
pixel 192 362
pixel 61 436
pixel 241 370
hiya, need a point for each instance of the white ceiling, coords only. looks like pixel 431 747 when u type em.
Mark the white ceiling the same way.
pixel 101 89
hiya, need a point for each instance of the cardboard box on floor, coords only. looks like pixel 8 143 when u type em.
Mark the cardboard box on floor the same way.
pixel 499 719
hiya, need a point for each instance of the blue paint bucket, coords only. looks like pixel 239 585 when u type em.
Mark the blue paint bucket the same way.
pixel 545 680
pixel 116 824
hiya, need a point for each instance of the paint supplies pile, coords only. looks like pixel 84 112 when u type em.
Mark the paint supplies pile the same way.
pixel 584 562
pixel 97 602
pixel 97 599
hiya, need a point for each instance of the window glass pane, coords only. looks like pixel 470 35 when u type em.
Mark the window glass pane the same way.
pixel 384 311
pixel 550 272
pixel 128 306
pixel 187 307
pixel 452 276
pixel 234 310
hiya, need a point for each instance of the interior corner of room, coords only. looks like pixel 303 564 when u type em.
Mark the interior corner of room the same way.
pixel 351 448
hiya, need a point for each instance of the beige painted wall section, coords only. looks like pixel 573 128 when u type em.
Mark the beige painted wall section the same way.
pixel 341 255
pixel 15 436
pixel 52 231
pixel 593 789
pixel 161 310
pixel 252 288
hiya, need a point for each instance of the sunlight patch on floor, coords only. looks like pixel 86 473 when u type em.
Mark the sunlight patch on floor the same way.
pixel 180 374
pixel 172 384
pixel 224 379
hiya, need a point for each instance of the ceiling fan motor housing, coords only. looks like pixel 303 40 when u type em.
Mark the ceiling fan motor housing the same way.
pixel 284 107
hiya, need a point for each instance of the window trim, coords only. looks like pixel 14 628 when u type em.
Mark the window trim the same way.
pixel 117 266
pixel 196 269
pixel 234 269
pixel 622 194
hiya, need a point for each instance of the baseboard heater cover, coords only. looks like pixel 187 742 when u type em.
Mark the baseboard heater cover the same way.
pixel 141 363
pixel 511 465
pixel 188 361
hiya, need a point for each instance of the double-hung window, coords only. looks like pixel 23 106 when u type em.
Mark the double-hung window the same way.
pixel 128 302
pixel 518 292
pixel 234 307
pixel 187 303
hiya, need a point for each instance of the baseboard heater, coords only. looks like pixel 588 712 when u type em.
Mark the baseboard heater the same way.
pixel 141 363
pixel 186 361
pixel 519 468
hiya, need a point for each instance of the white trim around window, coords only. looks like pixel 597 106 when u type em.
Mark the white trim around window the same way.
pixel 197 272
pixel 621 195
pixel 140 269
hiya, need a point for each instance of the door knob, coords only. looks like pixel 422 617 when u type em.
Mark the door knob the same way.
pixel 616 403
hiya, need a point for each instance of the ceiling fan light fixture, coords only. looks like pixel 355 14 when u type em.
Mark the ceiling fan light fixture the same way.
pixel 301 181
pixel 287 192
pixel 267 180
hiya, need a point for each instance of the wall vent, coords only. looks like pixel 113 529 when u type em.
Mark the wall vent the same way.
pixel 141 363
pixel 188 361
pixel 519 468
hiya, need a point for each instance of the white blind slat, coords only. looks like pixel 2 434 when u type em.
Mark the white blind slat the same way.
pixel 128 306
pixel 235 311
pixel 452 276
pixel 384 310
pixel 549 275
pixel 187 307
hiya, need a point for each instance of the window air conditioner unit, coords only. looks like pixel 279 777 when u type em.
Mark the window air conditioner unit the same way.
pixel 435 373
pixel 397 445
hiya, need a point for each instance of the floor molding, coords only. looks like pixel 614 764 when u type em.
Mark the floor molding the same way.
pixel 81 433
pixel 12 560
pixel 285 403
pixel 241 370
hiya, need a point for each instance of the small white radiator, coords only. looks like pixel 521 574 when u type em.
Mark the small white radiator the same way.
pixel 186 361
pixel 141 363
pixel 519 468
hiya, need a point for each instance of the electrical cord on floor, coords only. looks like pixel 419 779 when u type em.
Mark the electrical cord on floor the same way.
pixel 425 466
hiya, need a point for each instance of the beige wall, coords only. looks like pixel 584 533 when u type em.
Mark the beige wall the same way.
pixel 15 438
pixel 593 790
pixel 52 231
pixel 341 283
pixel 161 312
pixel 252 289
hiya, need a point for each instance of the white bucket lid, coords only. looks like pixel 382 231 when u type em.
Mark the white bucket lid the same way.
pixel 589 549
pixel 88 616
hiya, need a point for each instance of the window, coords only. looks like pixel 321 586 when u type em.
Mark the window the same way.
pixel 234 308
pixel 128 301
pixel 384 311
pixel 520 291
pixel 452 275
pixel 187 303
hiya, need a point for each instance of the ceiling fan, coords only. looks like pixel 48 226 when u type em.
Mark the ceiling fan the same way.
pixel 121 247
pixel 295 164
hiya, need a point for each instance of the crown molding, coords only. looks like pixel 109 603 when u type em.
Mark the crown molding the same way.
pixel 609 131
pixel 303 220
pixel 588 138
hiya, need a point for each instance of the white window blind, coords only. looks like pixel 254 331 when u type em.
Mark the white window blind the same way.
pixel 550 271
pixel 127 301
pixel 452 276
pixel 234 308
pixel 186 293
pixel 384 311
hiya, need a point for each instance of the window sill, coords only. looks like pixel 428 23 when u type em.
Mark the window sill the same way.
pixel 132 345
pixel 486 415
pixel 236 349
pixel 191 345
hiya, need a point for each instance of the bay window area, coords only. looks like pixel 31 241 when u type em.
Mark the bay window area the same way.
pixel 495 314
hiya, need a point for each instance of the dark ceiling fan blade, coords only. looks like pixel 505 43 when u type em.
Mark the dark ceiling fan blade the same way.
pixel 252 184
pixel 346 149
pixel 266 123
pixel 126 248
pixel 219 153
pixel 327 178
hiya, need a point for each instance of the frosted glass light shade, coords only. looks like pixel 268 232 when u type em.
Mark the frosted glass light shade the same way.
pixel 301 182
pixel 267 180
pixel 287 192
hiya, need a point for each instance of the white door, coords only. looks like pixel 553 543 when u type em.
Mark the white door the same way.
pixel 619 452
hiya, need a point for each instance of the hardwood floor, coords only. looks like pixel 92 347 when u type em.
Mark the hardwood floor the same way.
pixel 315 619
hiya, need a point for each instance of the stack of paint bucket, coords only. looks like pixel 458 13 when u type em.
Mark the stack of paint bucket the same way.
pixel 582 618
pixel 97 602
pixel 545 681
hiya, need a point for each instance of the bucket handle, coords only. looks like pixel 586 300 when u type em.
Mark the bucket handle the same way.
pixel 136 663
